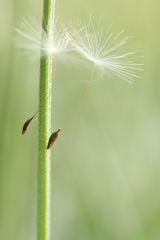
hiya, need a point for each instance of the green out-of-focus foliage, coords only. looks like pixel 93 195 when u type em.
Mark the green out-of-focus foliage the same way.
pixel 106 163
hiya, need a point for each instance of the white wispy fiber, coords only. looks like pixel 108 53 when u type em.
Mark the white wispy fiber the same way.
pixel 107 51
pixel 32 38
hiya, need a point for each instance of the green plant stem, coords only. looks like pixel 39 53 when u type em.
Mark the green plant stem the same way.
pixel 43 198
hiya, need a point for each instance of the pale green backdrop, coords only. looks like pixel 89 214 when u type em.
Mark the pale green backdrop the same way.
pixel 106 163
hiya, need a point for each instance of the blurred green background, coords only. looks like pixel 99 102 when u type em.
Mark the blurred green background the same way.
pixel 105 165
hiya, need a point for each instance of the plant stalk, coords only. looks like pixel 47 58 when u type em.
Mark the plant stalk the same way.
pixel 44 162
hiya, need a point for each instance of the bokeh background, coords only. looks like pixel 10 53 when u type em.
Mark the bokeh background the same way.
pixel 106 163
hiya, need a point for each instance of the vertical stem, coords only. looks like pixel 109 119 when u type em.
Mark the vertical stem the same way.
pixel 43 198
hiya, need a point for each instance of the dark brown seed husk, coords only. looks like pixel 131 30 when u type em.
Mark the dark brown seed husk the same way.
pixel 53 138
pixel 26 124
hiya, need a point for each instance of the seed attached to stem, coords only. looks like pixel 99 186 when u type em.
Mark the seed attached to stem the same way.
pixel 26 124
pixel 53 138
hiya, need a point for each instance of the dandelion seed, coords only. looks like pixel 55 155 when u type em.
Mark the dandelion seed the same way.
pixel 106 51
pixel 32 38
pixel 53 138
pixel 27 123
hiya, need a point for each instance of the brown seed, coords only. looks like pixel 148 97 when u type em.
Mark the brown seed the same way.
pixel 26 124
pixel 53 138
